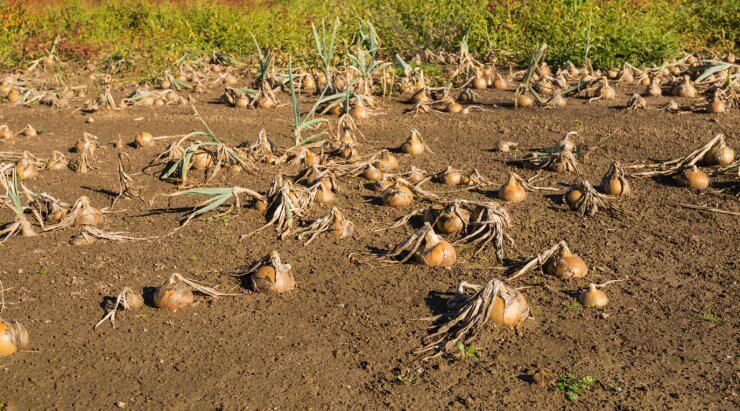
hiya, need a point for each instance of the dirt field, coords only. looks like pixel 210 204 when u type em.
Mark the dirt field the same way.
pixel 343 337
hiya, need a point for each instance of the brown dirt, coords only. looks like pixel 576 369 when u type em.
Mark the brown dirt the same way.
pixel 344 335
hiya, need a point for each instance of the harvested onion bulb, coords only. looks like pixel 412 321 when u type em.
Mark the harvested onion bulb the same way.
pixel 414 145
pixel 386 162
pixel 694 178
pixel 13 337
pixel 450 177
pixel 565 265
pixel 397 195
pixel 615 181
pixel 270 275
pixel 719 155
pixel 593 297
pixel 437 252
pixel 144 139
pixel 512 191
pixel 510 308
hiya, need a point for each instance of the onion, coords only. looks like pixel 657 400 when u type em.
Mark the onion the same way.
pixel 512 191
pixel 382 184
pixel 413 145
pixel 371 173
pixel 626 75
pixel 272 276
pixel 415 175
pixel 509 308
pixel 685 88
pixel 573 195
pixel 397 195
pixel 450 177
pixel 13 337
pixel 359 111
pixel 653 89
pixel 523 100
pixel 437 252
pixel 88 215
pixel 173 295
pixel 506 146
pixel 5 90
pixel 386 162
pixel 25 169
pixel 144 139
pixel 454 107
pixel 695 178
pixel 716 106
pixel 721 154
pixel 324 193
pixel 452 220
pixel 593 297
pixel 308 84
pixel 615 182
pixel 201 160
pixel 421 97
pixel 56 162
pixel 479 83
pixel 499 83
pixel 29 131
pixel 6 134
pixel 229 80
pixel 566 265
pixel 265 102
pixel 13 96
pixel 241 102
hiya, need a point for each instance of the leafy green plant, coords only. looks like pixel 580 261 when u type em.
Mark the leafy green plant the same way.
pixel 467 352
pixel 572 386
pixel 305 122
pixel 712 318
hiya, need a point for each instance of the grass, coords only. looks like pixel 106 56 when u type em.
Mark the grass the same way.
pixel 140 38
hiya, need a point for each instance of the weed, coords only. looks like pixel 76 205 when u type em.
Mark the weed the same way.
pixel 467 352
pixel 571 306
pixel 712 318
pixel 572 386
pixel 43 271
pixel 143 37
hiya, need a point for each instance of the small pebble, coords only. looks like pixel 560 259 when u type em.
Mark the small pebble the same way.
pixel 604 315
pixel 121 404
pixel 90 120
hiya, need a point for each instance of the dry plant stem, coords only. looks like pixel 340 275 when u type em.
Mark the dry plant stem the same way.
pixel 410 246
pixel 46 208
pixel 285 203
pixel 90 234
pixel 199 287
pixel 710 209
pixel 539 260
pixel 591 200
pixel 125 182
pixel 330 222
pixel 675 166
pixel 528 183
pixel 111 315
pixel 466 320
pixel 488 225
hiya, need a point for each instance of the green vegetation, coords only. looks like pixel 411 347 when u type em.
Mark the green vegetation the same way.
pixel 572 386
pixel 141 37
pixel 714 319
pixel 467 352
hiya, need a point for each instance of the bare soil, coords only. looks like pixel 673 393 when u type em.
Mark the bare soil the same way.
pixel 343 337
